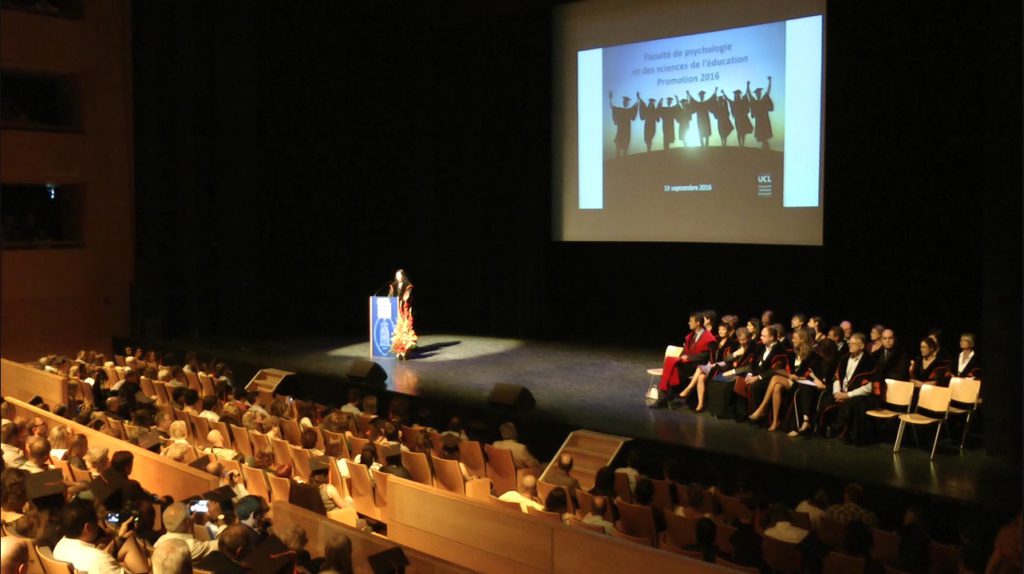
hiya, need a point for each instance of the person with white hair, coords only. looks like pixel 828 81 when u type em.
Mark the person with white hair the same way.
pixel 217 448
pixel 178 522
pixel 177 452
pixel 98 460
pixel 171 558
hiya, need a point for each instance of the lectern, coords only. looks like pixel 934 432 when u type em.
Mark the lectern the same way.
pixel 383 318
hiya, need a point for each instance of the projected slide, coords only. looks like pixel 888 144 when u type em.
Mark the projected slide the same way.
pixel 712 137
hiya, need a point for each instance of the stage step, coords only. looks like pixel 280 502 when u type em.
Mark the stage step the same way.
pixel 590 451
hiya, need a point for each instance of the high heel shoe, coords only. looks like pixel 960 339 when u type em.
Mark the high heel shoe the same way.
pixel 800 431
pixel 756 416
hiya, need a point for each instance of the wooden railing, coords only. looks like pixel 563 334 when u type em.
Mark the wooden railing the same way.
pixel 24 382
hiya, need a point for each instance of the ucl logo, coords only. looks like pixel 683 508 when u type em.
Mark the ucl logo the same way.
pixel 764 178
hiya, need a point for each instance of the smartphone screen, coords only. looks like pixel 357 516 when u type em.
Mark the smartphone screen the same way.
pixel 200 506
pixel 113 518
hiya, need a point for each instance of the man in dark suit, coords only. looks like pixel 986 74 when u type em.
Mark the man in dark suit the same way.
pixel 767 356
pixel 890 361
pixel 560 476
pixel 850 387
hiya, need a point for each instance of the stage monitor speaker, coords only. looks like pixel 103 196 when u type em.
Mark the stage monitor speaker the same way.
pixel 364 371
pixel 510 396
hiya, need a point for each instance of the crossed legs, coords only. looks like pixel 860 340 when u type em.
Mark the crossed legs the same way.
pixel 776 385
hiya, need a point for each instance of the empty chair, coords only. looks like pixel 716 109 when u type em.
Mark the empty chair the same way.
pixel 380 491
pixel 147 388
pixel 501 469
pixel 356 444
pixel 163 396
pixel 290 432
pixel 280 488
pixel 736 567
pixel 964 395
pixel 884 546
pixel 622 489
pixel 50 564
pixel 637 520
pixel 362 491
pixel 781 557
pixel 898 396
pixel 418 466
pixel 662 494
pixel 300 462
pixel 935 401
pixel 260 442
pixel 448 475
pixel 206 386
pixel 202 428
pixel 85 389
pixel 256 481
pixel 471 453
pixel 732 507
pixel 410 436
pixel 839 563
pixel 642 540
pixel 832 533
pixel 282 455
pixel 680 532
pixel 479 489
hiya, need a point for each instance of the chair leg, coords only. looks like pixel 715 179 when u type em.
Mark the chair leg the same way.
pixel 967 426
pixel 899 437
pixel 935 443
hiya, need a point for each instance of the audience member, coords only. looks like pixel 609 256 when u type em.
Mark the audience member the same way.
pixel 10 442
pixel 81 542
pixel 645 497
pixel 780 528
pixel 520 453
pixel 352 406
pixel 706 532
pixel 337 556
pixel 596 516
pixel 815 508
pixel 217 447
pixel 233 545
pixel 526 496
pixel 171 557
pixel 209 411
pixel 631 469
pixel 38 449
pixel 558 503
pixel 858 542
pixel 851 509
pixel 561 475
pixel 178 522
pixel 394 466
pixel 295 539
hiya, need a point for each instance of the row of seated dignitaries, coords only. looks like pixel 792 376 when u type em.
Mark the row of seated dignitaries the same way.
pixel 805 380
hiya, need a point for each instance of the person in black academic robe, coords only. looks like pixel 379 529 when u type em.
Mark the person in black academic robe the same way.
pixel 852 391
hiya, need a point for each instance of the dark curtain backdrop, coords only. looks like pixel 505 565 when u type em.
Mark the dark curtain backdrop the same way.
pixel 290 156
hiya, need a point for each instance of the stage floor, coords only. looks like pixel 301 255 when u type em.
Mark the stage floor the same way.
pixel 602 388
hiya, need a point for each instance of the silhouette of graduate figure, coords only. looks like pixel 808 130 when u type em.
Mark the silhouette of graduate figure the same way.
pixel 684 111
pixel 623 118
pixel 702 109
pixel 740 106
pixel 650 117
pixel 667 114
pixel 760 105
pixel 720 108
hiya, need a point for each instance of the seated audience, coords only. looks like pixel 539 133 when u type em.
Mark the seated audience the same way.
pixel 815 508
pixel 209 411
pixel 82 544
pixel 596 516
pixel 171 557
pixel 631 470
pixel 394 466
pixel 295 539
pixel 337 556
pixel 352 406
pixel 851 509
pixel 233 545
pixel 520 453
pixel 38 449
pixel 217 447
pixel 319 476
pixel 645 497
pixel 780 528
pixel 558 503
pixel 526 496
pixel 706 531
pixel 178 522
pixel 10 442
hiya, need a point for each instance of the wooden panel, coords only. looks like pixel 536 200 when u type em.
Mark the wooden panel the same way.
pixel 158 474
pixel 577 551
pixel 319 530
pixel 465 531
pixel 23 382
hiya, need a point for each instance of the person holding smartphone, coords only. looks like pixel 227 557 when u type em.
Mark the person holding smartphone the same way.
pixel 81 544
